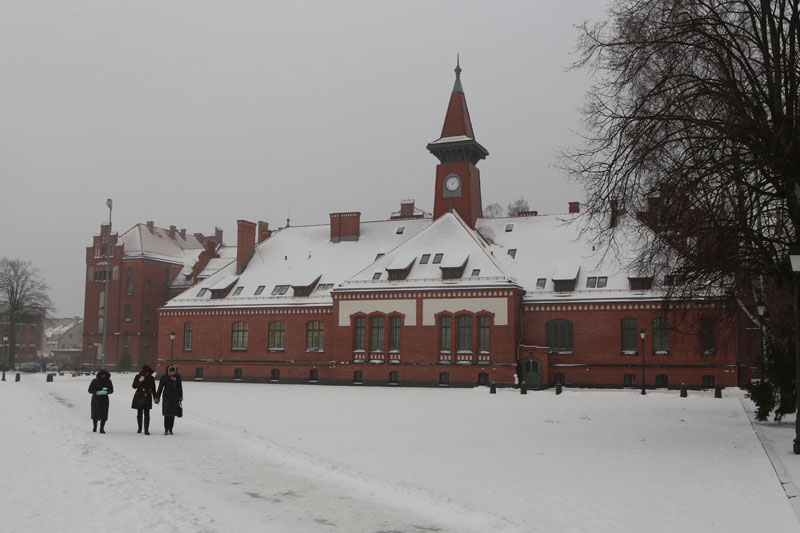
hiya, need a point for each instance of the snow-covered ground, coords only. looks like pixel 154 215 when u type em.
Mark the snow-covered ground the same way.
pixel 252 457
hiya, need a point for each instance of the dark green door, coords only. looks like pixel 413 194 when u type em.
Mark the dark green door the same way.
pixel 532 372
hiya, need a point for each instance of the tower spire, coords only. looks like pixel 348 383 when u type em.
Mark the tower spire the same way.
pixel 457 87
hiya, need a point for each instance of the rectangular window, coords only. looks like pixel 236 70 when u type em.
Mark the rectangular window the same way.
pixel 359 331
pixel 315 336
pixel 483 333
pixel 564 285
pixel 707 381
pixel 147 313
pixel 377 325
pixel 302 291
pixel 540 283
pixel 128 313
pixel 464 334
pixel 198 373
pixel 451 273
pixel 276 334
pixel 187 336
pixel 202 293
pixel 126 340
pixel 280 290
pixel 591 283
pixel 437 259
pixel 130 287
pixel 237 373
pixel 238 291
pixel 259 290
pixel 147 287
pixel 376 275
pixel 444 334
pixel 239 336
pixel 602 281
pixel 146 341
pixel 425 258
pixel 629 335
pixel 394 336
pixel 641 284
pixel 660 336
pixel 512 252
pixel 476 272
pixel 629 380
pixel 707 341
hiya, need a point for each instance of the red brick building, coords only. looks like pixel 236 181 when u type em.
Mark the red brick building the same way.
pixel 148 266
pixel 448 299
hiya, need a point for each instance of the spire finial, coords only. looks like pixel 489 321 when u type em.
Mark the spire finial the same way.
pixel 458 66
pixel 457 87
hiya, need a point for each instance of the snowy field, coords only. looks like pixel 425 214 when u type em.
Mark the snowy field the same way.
pixel 252 457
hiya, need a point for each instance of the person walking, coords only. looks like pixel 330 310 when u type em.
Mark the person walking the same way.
pixel 145 385
pixel 100 388
pixel 170 386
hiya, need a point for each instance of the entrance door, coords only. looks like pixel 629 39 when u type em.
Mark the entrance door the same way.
pixel 532 372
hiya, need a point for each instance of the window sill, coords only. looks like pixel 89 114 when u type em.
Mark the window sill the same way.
pixel 661 352
pixel 315 351
pixel 562 353
pixel 628 352
pixel 238 349
pixel 276 349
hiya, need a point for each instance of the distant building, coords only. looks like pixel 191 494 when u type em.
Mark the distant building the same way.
pixel 63 334
pixel 28 338
pixel 148 265
pixel 451 299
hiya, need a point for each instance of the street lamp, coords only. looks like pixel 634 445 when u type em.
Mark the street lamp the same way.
pixel 642 334
pixel 794 257
pixel 171 346
pixel 5 350
pixel 106 313
pixel 761 308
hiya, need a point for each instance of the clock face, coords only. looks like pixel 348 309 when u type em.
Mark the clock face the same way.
pixel 452 183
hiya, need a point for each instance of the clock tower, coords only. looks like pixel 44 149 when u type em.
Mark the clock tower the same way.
pixel 458 180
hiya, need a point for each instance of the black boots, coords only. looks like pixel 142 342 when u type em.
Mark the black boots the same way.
pixel 94 425
pixel 102 426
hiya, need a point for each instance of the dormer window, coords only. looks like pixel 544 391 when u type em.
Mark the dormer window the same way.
pixel 424 259
pixel 324 287
pixel 451 273
pixel 301 291
pixel 379 256
pixel 602 281
pixel 641 284
pixel 395 275
pixel 509 228
pixel 512 252
pixel 437 259
pixel 563 285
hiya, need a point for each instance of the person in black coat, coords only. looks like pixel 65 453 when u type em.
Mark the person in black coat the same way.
pixel 100 388
pixel 172 389
pixel 145 385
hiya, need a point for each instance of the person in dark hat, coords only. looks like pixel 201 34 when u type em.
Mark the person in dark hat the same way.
pixel 170 386
pixel 100 388
pixel 145 385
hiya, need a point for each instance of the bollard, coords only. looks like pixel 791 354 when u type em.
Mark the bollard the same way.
pixel 558 389
pixel 717 392
pixel 492 388
pixel 683 390
pixel 50 378
pixel 523 388
pixel 17 378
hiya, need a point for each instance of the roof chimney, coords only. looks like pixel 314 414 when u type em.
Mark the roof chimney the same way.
pixel 245 243
pixel 528 214
pixel 345 226
pixel 574 207
pixel 150 225
pixel 172 232
pixel 407 208
pixel 264 232
pixel 614 213
pixel 183 234
pixel 218 235
pixel 200 238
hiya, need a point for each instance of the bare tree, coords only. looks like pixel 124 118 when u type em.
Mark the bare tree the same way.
pixel 493 211
pixel 696 104
pixel 23 296
pixel 517 206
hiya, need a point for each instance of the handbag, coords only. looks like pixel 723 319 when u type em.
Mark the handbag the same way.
pixel 180 410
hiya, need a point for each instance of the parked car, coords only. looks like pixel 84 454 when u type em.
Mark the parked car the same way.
pixel 52 367
pixel 31 367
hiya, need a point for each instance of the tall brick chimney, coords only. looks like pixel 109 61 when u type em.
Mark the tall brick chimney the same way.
pixel 245 243
pixel 218 235
pixel 172 232
pixel 574 207
pixel 345 226
pixel 183 234
pixel 264 232
pixel 150 225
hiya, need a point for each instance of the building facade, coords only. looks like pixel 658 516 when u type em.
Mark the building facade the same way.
pixel 451 299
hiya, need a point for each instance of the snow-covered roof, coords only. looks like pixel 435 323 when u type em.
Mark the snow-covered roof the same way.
pixel 530 253
pixel 141 241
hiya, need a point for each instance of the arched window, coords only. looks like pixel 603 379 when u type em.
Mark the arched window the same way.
pixel 187 336
pixel 239 336
pixel 394 333
pixel 484 323
pixel 707 341
pixel 315 336
pixel 558 336
pixel 464 333
pixel 377 325
pixel 359 333
pixel 660 335
pixel 629 335
pixel 276 335
pixel 444 334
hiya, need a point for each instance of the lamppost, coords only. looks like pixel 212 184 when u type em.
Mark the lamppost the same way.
pixel 761 308
pixel 794 257
pixel 5 350
pixel 171 346
pixel 107 308
pixel 642 334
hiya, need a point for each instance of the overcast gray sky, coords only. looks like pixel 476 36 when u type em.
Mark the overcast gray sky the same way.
pixel 197 113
